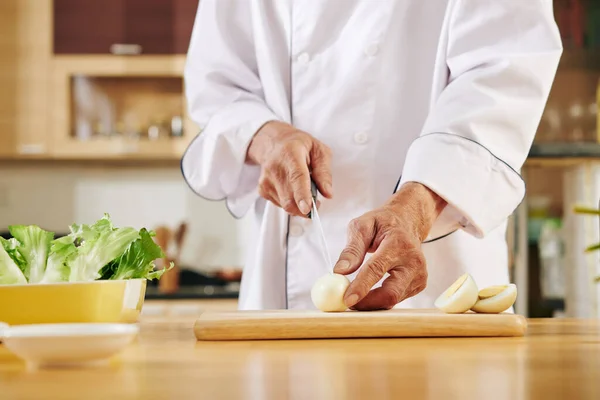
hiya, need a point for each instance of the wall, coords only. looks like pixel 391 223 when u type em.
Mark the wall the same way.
pixel 56 196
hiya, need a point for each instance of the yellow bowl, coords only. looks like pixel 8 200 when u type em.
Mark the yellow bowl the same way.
pixel 96 301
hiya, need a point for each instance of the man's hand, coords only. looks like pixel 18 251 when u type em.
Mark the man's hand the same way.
pixel 394 234
pixel 288 157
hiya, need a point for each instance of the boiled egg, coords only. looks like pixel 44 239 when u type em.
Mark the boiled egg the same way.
pixel 495 299
pixel 459 297
pixel 327 293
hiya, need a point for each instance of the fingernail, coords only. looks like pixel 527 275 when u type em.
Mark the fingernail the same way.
pixel 329 188
pixel 351 300
pixel 342 266
pixel 303 206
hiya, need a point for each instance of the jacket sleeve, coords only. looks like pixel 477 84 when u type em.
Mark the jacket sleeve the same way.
pixel 501 59
pixel 225 98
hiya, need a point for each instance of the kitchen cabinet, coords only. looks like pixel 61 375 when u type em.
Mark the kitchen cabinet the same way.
pixel 25 50
pixel 104 108
pixel 123 26
pixel 37 104
pixel 87 26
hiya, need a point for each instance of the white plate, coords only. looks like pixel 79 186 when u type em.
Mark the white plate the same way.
pixel 45 345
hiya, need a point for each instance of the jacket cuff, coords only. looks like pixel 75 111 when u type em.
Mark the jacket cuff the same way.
pixel 214 165
pixel 481 190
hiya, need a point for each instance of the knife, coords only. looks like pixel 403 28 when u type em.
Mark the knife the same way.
pixel 314 216
pixel 314 192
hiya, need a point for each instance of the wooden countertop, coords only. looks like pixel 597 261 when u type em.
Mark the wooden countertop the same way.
pixel 558 359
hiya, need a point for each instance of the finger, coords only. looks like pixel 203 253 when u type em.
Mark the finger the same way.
pixel 390 293
pixel 404 282
pixel 288 203
pixel 361 232
pixel 267 191
pixel 320 162
pixel 369 274
pixel 419 281
pixel 298 180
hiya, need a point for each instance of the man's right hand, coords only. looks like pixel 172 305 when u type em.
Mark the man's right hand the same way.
pixel 288 158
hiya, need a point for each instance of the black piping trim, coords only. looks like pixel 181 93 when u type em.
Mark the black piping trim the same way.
pixel 194 191
pixel 489 151
pixel 397 184
pixel 287 235
pixel 238 218
pixel 471 140
pixel 439 237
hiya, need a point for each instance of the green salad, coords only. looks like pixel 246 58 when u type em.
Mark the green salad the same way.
pixel 89 252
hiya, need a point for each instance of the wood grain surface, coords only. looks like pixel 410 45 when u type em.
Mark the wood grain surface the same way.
pixel 291 324
pixel 556 359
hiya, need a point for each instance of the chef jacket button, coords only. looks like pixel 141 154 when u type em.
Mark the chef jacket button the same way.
pixel 361 138
pixel 371 50
pixel 296 230
pixel 303 58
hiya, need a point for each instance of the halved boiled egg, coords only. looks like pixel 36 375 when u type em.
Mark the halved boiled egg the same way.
pixel 459 297
pixel 496 299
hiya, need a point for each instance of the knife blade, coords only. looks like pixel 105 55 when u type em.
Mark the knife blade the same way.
pixel 314 216
pixel 314 193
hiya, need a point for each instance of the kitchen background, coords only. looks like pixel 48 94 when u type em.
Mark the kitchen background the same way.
pixel 93 119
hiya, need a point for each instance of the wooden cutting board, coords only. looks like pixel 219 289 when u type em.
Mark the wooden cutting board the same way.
pixel 296 324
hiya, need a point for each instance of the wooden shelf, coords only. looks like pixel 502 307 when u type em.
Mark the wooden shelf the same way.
pixel 34 162
pixel 550 162
pixel 117 148
pixel 565 150
pixel 65 146
pixel 113 65
pixel 562 154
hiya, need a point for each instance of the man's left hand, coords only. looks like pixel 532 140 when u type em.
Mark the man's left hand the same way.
pixel 394 234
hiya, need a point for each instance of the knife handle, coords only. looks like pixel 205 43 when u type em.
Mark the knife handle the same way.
pixel 314 192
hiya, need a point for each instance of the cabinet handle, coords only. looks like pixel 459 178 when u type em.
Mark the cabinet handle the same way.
pixel 121 49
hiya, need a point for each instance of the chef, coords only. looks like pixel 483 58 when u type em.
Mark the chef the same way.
pixel 413 117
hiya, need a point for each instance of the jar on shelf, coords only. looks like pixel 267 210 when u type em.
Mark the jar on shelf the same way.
pixel 176 126
pixel 577 116
pixel 156 129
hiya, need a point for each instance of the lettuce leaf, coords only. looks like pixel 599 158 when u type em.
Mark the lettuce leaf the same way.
pixel 10 273
pixel 103 225
pixel 61 251
pixel 34 246
pixel 89 252
pixel 101 243
pixel 138 260
pixel 12 248
pixel 81 233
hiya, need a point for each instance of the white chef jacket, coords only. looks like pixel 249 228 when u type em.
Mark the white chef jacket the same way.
pixel 448 93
